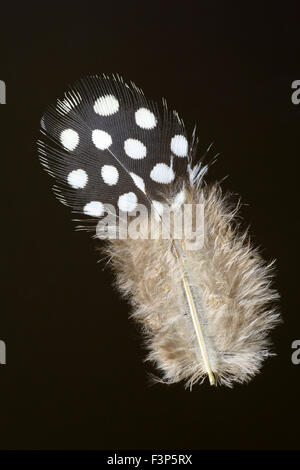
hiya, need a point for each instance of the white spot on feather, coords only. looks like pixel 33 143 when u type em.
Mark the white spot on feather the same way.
pixel 179 145
pixel 162 173
pixel 94 208
pixel 110 174
pixel 69 139
pixel 106 105
pixel 135 149
pixel 145 118
pixel 101 139
pixel 77 179
pixel 127 202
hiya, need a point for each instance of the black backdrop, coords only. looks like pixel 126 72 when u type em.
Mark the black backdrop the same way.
pixel 74 377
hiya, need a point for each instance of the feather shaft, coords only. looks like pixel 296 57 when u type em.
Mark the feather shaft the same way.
pixel 194 314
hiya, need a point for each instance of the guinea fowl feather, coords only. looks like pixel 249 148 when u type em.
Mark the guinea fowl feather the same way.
pixel 206 309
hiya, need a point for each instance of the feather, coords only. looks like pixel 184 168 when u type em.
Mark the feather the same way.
pixel 203 297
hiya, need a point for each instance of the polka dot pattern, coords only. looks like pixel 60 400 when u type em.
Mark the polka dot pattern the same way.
pixel 115 148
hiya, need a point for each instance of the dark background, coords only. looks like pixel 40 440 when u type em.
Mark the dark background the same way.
pixel 74 377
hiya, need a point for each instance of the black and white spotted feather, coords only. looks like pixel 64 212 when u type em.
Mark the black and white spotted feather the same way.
pixel 204 313
pixel 105 143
